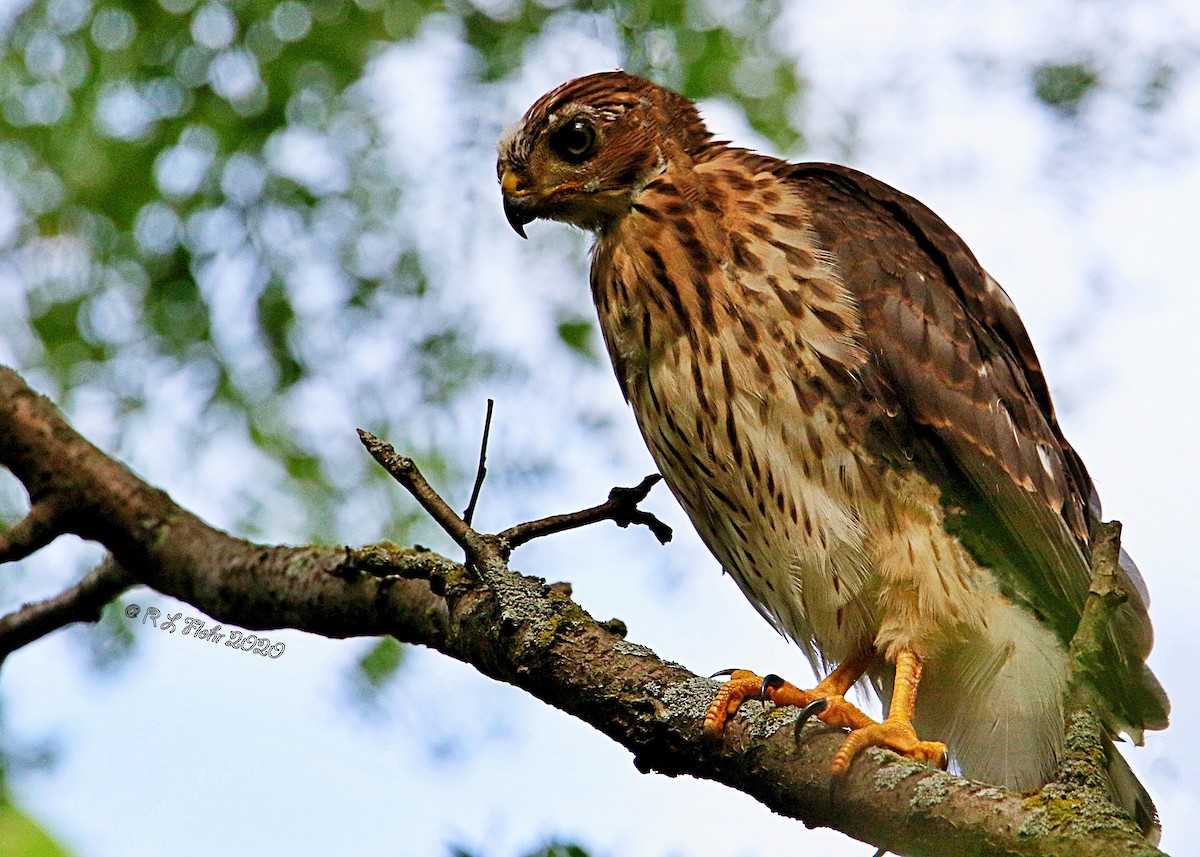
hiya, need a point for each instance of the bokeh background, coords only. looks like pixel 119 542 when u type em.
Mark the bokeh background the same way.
pixel 231 232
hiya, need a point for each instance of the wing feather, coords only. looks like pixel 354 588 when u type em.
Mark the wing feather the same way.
pixel 967 402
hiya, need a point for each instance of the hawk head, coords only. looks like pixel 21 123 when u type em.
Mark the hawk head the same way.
pixel 583 151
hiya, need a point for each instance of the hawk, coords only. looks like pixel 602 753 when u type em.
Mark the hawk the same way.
pixel 853 416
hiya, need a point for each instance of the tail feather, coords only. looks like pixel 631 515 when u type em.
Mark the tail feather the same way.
pixel 998 703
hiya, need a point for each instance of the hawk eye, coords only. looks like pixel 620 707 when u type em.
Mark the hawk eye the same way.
pixel 574 142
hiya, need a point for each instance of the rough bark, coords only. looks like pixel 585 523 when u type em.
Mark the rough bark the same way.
pixel 515 629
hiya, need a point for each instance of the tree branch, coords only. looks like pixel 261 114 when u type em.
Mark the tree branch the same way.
pixel 37 529
pixel 405 471
pixel 518 630
pixel 620 508
pixel 81 603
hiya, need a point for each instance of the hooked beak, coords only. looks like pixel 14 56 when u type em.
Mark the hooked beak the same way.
pixel 518 214
pixel 518 206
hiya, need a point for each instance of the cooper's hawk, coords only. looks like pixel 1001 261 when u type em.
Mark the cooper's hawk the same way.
pixel 854 418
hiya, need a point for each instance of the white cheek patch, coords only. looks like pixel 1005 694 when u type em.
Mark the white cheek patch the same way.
pixel 510 140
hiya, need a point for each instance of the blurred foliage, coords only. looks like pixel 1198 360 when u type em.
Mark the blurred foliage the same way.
pixel 22 837
pixel 17 754
pixel 109 640
pixel 183 175
pixel 375 670
pixel 552 849
pixel 718 49
pixel 559 849
pixel 1160 81
pixel 1064 87
pixel 203 190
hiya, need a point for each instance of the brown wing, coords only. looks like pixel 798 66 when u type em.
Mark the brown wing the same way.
pixel 954 368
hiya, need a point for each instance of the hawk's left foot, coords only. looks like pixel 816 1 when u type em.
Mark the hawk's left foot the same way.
pixel 894 733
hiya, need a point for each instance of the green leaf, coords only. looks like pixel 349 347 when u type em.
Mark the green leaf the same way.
pixel 576 334
pixel 380 664
pixel 21 836
pixel 1064 87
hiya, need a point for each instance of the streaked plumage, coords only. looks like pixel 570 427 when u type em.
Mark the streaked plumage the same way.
pixel 848 408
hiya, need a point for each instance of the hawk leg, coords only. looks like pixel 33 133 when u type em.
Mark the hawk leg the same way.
pixel 896 731
pixel 744 684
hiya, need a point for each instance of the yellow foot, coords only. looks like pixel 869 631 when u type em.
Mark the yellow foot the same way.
pixel 894 733
pixel 744 684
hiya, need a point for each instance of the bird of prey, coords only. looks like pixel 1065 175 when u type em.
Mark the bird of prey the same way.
pixel 853 416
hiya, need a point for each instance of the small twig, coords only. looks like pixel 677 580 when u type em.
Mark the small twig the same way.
pixel 481 472
pixel 620 508
pixel 404 470
pixel 42 525
pixel 81 603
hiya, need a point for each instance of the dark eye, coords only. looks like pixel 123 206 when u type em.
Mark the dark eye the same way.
pixel 574 142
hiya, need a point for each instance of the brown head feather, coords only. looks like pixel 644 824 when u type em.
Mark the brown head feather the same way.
pixel 639 128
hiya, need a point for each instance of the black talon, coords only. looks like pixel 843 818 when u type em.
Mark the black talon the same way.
pixel 720 673
pixel 770 680
pixel 806 713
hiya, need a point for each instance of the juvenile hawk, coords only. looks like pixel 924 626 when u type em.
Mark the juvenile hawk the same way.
pixel 854 418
